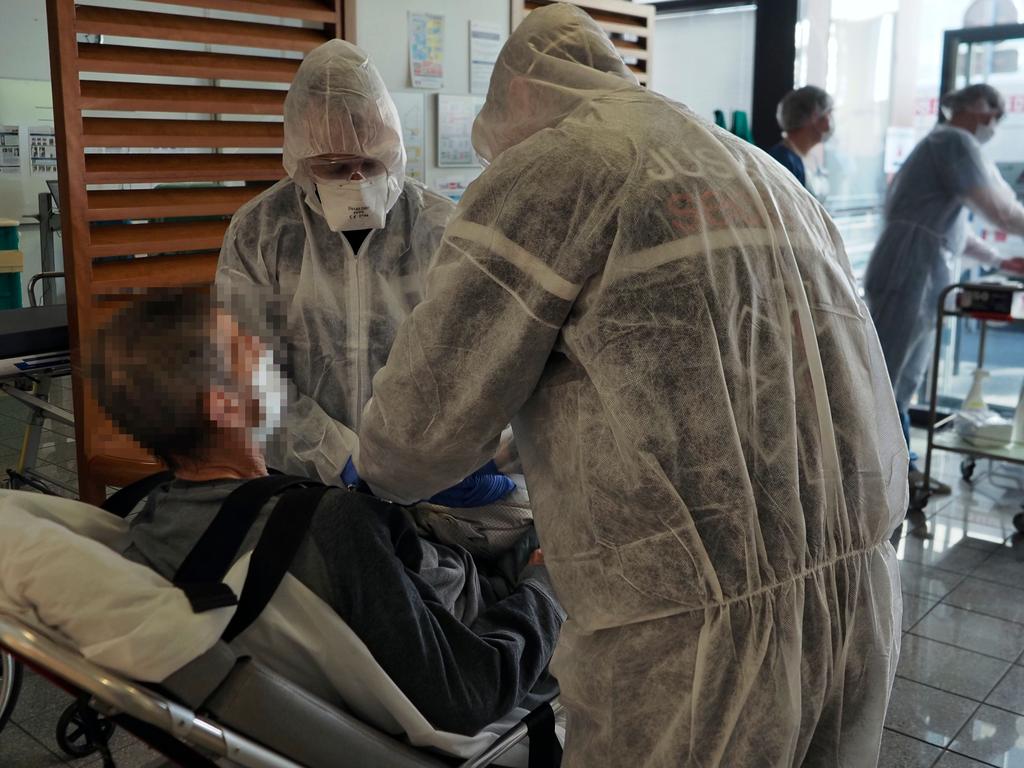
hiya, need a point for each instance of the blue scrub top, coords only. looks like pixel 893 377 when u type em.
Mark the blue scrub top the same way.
pixel 785 155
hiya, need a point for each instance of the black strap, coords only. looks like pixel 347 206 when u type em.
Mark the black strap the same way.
pixel 125 500
pixel 202 572
pixel 280 541
pixel 545 749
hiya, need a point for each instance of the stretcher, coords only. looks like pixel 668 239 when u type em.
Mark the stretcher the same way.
pixel 34 352
pixel 289 728
pixel 206 700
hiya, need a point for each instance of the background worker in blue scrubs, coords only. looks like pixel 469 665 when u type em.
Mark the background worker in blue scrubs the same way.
pixel 805 117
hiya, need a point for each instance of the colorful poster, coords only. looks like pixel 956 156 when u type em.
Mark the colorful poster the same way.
pixel 412 114
pixel 455 116
pixel 485 42
pixel 42 150
pixel 10 150
pixel 426 50
pixel 452 188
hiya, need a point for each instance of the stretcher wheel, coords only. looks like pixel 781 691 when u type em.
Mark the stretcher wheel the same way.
pixel 967 469
pixel 73 732
pixel 10 686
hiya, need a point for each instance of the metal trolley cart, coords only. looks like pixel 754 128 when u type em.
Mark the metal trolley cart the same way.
pixel 985 302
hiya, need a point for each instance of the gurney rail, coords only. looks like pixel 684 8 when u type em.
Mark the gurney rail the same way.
pixel 114 695
pixel 117 698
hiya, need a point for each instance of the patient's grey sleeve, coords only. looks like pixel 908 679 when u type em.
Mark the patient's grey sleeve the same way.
pixel 459 677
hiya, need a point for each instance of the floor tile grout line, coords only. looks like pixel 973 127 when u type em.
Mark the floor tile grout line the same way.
pixel 918 738
pixel 968 757
pixel 938 600
pixel 960 647
pixel 965 723
pixel 923 617
pixel 946 690
pixel 978 708
pixel 997 583
pixel 38 743
pixel 981 613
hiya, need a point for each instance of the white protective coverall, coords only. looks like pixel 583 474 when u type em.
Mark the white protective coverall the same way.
pixel 708 433
pixel 336 310
pixel 925 228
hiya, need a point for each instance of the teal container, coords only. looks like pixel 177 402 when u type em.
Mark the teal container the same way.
pixel 10 240
pixel 10 265
pixel 10 290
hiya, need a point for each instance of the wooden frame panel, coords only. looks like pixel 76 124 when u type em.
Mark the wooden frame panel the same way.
pixel 163 235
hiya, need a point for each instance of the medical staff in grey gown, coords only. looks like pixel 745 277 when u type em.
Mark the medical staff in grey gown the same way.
pixel 701 405
pixel 340 247
pixel 926 227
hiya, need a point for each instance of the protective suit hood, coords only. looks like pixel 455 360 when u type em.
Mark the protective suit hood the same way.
pixel 338 104
pixel 554 61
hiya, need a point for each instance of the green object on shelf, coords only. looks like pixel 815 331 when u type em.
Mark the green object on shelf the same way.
pixel 10 290
pixel 12 262
pixel 741 126
pixel 720 119
pixel 9 238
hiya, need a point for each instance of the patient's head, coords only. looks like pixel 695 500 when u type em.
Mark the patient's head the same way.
pixel 177 373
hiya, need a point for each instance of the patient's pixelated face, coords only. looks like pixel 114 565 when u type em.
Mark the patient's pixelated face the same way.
pixel 172 369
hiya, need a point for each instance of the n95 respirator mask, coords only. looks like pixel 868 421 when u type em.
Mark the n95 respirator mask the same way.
pixel 349 205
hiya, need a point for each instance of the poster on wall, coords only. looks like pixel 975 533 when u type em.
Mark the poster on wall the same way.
pixel 42 151
pixel 412 114
pixel 455 115
pixel 452 188
pixel 485 42
pixel 426 50
pixel 10 150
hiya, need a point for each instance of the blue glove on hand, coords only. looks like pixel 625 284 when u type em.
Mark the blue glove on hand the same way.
pixel 351 478
pixel 485 486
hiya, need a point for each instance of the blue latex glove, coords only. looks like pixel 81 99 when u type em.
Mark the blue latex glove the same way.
pixel 350 477
pixel 485 486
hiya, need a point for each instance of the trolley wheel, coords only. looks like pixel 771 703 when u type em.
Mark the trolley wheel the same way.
pixel 10 686
pixel 73 734
pixel 1018 523
pixel 967 469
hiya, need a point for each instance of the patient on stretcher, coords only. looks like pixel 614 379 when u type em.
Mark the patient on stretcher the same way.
pixel 180 376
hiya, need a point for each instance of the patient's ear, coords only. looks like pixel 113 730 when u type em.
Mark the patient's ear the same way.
pixel 226 409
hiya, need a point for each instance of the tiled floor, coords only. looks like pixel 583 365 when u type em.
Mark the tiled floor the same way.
pixel 958 701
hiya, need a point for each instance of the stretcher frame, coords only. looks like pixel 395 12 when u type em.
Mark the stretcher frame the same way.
pixel 40 372
pixel 163 723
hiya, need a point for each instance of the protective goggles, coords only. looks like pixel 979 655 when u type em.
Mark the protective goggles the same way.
pixel 344 168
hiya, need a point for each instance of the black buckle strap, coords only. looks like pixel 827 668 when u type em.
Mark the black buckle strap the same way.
pixel 280 541
pixel 202 572
pixel 206 595
pixel 126 499
pixel 545 749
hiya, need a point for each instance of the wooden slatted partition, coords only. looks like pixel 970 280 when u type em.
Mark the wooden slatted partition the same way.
pixel 152 164
pixel 630 27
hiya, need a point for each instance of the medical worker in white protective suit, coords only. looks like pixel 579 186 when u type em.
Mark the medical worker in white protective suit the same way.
pixel 707 429
pixel 926 227
pixel 340 248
